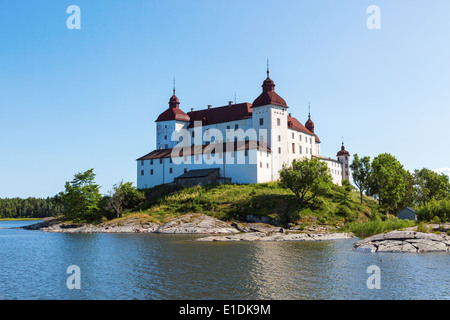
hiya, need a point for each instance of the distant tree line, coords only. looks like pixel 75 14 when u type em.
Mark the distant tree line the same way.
pixel 30 208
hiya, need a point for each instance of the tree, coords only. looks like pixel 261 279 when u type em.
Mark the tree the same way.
pixel 307 179
pixel 81 197
pixel 361 173
pixel 123 196
pixel 409 199
pixel 431 185
pixel 386 181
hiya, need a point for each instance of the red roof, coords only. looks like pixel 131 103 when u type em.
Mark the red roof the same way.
pixel 269 96
pixel 294 124
pixel 204 149
pixel 343 152
pixel 228 113
pixel 174 112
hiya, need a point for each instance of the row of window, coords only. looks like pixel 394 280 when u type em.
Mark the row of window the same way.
pixel 151 171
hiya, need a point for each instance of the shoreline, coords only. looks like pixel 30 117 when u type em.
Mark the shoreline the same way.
pixel 196 224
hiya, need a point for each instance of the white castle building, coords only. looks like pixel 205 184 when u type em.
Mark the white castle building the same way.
pixel 239 143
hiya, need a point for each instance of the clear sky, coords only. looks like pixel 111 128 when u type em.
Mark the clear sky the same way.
pixel 71 100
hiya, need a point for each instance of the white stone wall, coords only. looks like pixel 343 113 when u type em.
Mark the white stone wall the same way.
pixel 285 143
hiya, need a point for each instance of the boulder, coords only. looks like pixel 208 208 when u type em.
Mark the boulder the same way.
pixel 405 241
pixel 196 224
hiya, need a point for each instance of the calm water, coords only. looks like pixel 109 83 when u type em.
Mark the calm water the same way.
pixel 33 265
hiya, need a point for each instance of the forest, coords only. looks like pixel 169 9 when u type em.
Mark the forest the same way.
pixel 30 208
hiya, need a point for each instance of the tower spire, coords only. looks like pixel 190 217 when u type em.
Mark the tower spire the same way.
pixel 173 85
pixel 309 109
pixel 267 68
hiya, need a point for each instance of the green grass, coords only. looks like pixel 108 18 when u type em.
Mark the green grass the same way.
pixel 234 202
pixel 369 228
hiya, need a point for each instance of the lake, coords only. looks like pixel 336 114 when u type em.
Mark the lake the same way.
pixel 33 265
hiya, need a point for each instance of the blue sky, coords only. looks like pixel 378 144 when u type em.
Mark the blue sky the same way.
pixel 71 100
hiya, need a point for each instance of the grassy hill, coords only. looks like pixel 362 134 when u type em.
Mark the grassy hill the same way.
pixel 234 202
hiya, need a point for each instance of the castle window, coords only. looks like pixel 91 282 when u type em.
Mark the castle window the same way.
pixel 279 150
pixel 300 136
pixel 151 161
pixel 236 126
pixel 171 170
pixel 170 160
pixel 165 137
pixel 306 150
pixel 278 122
pixel 185 170
pixel 300 149
pixel 228 127
pixel 142 172
pixel 261 121
pixel 142 162
pixel 279 138
pixel 267 165
pixel 151 172
pixel 260 164
pixel 293 135
pixel 160 161
pixel 293 148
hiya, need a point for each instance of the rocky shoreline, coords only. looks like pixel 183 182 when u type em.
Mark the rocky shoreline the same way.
pixel 405 241
pixel 199 224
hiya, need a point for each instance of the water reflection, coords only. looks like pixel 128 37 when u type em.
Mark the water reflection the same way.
pixel 33 265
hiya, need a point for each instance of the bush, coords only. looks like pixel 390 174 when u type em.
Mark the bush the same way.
pixel 369 228
pixel 435 208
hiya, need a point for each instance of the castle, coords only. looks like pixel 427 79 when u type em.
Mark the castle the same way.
pixel 238 143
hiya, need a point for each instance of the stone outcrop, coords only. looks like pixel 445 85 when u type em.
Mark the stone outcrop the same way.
pixel 190 223
pixel 405 241
pixel 129 226
pixel 282 235
pixel 196 224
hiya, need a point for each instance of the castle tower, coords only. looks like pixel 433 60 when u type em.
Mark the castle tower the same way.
pixel 343 157
pixel 171 120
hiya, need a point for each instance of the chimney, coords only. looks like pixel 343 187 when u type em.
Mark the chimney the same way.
pixel 209 106
pixel 230 103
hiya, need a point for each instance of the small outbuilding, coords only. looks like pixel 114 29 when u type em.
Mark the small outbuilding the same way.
pixel 407 214
pixel 201 177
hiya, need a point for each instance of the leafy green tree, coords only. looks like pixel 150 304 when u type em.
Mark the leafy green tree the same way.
pixel 361 169
pixel 431 185
pixel 386 181
pixel 435 209
pixel 81 197
pixel 409 199
pixel 306 178
pixel 123 196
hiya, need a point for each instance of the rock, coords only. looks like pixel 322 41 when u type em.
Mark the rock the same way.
pixel 277 236
pixel 196 224
pixel 265 219
pixel 252 218
pixel 405 241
